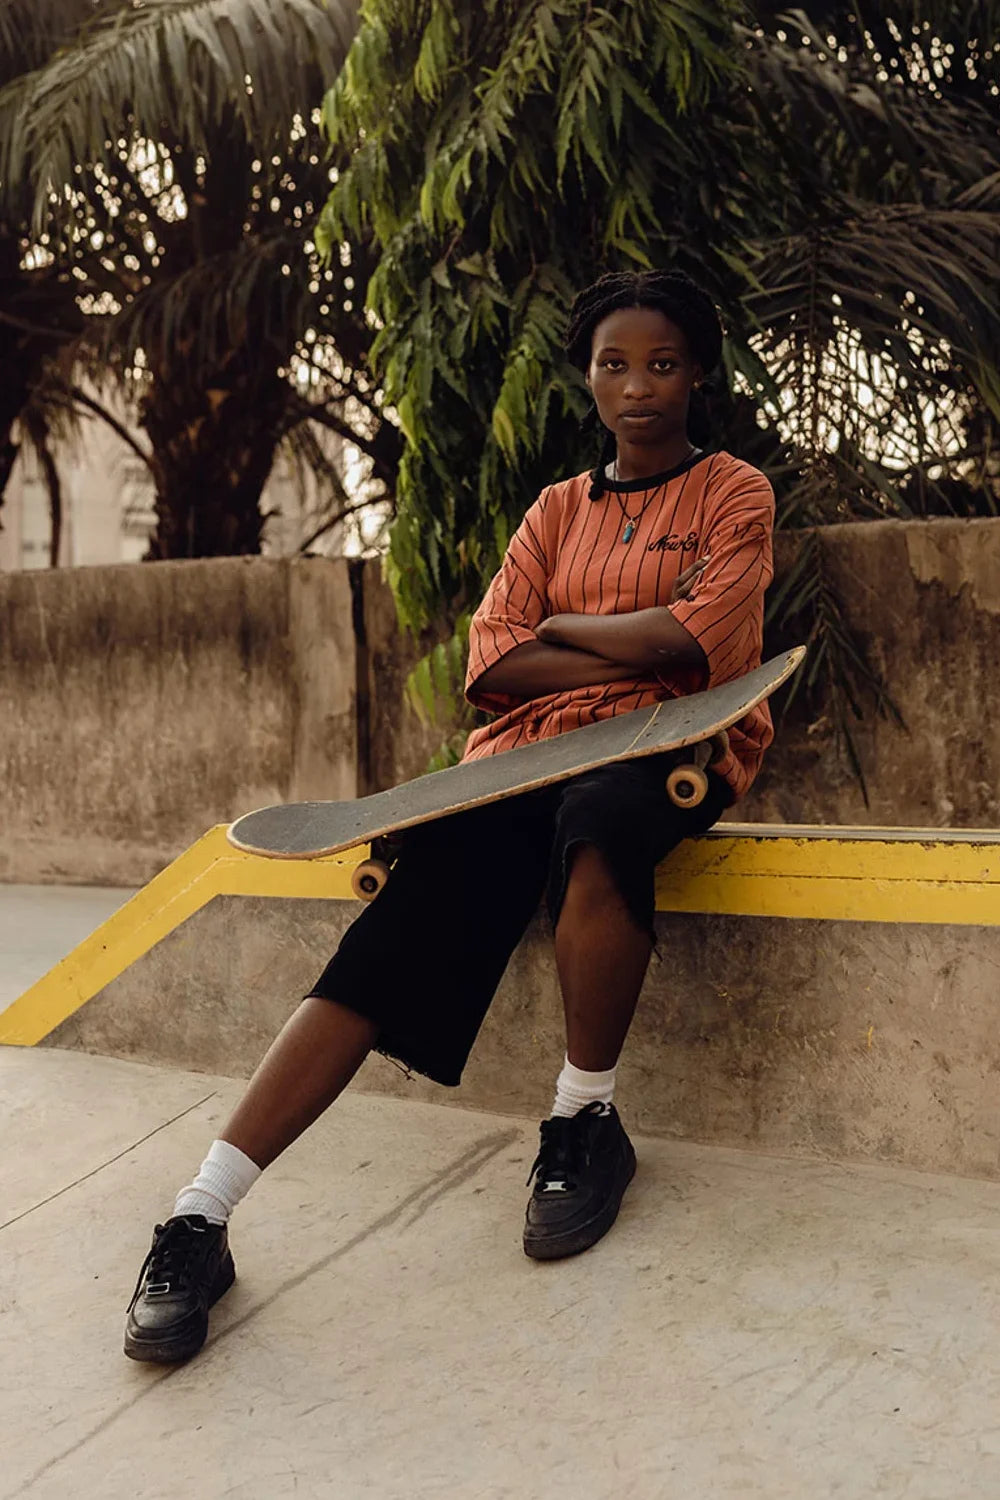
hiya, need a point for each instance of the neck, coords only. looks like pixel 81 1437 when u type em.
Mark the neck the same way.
pixel 635 462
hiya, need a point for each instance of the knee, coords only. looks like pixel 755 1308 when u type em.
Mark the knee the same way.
pixel 589 875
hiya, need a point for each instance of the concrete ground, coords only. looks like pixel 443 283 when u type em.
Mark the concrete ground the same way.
pixel 40 924
pixel 752 1326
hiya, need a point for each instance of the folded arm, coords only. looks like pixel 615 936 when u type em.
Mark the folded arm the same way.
pixel 571 651
pixel 537 667
pixel 646 640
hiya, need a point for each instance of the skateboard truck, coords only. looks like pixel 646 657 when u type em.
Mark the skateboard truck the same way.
pixel 687 784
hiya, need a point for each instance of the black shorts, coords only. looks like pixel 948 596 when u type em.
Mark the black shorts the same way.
pixel 424 959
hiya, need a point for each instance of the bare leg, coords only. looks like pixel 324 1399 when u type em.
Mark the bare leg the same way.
pixel 311 1060
pixel 601 956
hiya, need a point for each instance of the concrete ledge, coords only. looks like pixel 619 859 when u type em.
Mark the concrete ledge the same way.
pixel 837 1040
pixel 844 1034
pixel 856 874
pixel 823 1035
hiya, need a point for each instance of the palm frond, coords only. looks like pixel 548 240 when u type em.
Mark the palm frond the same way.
pixel 169 70
pixel 31 30
pixel 212 303
pixel 435 690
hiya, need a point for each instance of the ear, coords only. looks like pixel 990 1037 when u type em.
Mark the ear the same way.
pixel 586 376
pixel 699 376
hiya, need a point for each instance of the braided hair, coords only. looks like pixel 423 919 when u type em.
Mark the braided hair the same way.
pixel 671 292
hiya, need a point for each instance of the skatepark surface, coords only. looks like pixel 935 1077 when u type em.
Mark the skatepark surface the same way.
pixel 39 924
pixel 753 1326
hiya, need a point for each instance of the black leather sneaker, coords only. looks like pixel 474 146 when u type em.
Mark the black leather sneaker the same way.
pixel 186 1271
pixel 581 1172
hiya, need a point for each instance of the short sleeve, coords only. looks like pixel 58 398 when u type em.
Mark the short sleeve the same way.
pixel 725 613
pixel 515 602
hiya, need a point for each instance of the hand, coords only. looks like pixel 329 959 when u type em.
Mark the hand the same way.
pixel 686 582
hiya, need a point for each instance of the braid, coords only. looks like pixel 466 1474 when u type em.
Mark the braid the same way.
pixel 597 476
pixel 673 293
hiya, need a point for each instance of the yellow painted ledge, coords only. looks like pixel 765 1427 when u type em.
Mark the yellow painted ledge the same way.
pixel 211 867
pixel 871 875
pixel 846 874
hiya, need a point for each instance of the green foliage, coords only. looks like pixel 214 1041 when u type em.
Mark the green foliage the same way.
pixel 486 164
pixel 435 691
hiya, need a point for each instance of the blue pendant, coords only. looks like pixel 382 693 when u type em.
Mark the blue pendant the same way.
pixel 629 531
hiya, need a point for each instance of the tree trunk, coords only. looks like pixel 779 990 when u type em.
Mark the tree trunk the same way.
pixel 213 448
pixel 16 377
pixel 36 425
pixel 38 319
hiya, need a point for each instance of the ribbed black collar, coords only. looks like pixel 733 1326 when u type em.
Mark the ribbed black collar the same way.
pixel 652 481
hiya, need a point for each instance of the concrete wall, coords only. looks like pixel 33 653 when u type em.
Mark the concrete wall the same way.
pixel 924 599
pixel 139 705
pixel 825 1039
pixel 393 744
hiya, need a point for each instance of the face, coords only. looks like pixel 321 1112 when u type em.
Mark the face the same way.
pixel 641 374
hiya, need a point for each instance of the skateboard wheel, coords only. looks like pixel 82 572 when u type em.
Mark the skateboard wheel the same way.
pixel 687 786
pixel 369 878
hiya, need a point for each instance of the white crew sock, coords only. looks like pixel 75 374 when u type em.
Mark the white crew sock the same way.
pixel 576 1088
pixel 225 1176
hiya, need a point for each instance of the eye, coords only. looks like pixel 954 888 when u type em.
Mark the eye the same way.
pixel 662 366
pixel 612 364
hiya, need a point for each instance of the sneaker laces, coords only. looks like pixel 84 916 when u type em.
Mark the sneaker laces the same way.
pixel 565 1149
pixel 170 1255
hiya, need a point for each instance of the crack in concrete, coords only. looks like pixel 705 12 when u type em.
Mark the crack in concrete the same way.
pixel 93 1173
pixel 450 1177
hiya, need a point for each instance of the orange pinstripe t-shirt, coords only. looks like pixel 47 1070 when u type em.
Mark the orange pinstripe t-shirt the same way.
pixel 567 557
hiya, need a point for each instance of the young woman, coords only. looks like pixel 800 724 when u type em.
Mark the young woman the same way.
pixel 639 581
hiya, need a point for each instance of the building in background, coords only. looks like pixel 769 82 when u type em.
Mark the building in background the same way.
pixel 107 495
pixel 107 503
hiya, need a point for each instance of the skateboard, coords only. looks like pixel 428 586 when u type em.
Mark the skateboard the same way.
pixel 696 724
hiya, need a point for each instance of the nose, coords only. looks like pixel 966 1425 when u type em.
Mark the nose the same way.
pixel 638 384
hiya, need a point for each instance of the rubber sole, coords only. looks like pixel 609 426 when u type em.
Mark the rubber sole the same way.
pixel 540 1245
pixel 190 1337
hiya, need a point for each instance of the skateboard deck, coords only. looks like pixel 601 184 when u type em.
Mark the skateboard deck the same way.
pixel 308 830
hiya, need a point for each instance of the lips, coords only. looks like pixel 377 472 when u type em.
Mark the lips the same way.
pixel 639 416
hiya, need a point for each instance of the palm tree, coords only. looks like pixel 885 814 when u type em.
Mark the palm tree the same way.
pixel 163 166
pixel 39 316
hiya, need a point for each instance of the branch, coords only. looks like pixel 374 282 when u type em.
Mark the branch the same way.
pixel 335 520
pixel 72 393
pixel 37 429
pixel 36 329
pixel 306 411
